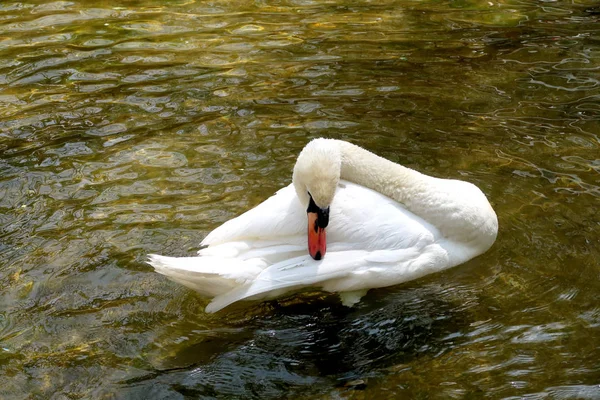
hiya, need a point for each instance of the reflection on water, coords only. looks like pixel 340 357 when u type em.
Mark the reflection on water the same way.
pixel 139 126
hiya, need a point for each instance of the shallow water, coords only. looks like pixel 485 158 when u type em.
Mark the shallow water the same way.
pixel 138 127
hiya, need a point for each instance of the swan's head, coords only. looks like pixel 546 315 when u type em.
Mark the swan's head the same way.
pixel 316 176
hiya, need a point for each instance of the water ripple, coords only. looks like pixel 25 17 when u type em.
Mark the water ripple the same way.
pixel 138 128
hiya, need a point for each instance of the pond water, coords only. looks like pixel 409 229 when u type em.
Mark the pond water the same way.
pixel 135 127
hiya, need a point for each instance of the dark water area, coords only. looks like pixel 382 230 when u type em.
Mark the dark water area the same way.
pixel 137 127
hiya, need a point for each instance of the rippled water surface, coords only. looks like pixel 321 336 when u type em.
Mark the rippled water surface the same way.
pixel 138 126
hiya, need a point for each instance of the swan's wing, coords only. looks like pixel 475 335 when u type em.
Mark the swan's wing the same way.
pixel 278 217
pixel 338 272
pixel 360 218
pixel 372 242
pixel 364 219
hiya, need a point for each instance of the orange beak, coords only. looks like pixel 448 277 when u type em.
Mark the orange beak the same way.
pixel 318 219
pixel 317 239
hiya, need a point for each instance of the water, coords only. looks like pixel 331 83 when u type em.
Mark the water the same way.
pixel 138 126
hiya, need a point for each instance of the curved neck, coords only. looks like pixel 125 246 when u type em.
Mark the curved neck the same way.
pixel 457 208
pixel 400 183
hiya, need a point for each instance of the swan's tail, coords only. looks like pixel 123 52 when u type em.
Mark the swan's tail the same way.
pixel 208 275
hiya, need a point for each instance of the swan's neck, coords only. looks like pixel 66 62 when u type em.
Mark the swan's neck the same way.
pixel 458 209
pixel 400 183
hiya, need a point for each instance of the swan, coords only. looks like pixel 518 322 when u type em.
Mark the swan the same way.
pixel 367 223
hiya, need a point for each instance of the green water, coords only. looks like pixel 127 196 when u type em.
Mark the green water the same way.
pixel 136 127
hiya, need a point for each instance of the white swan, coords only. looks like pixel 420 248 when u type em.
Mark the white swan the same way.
pixel 386 224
